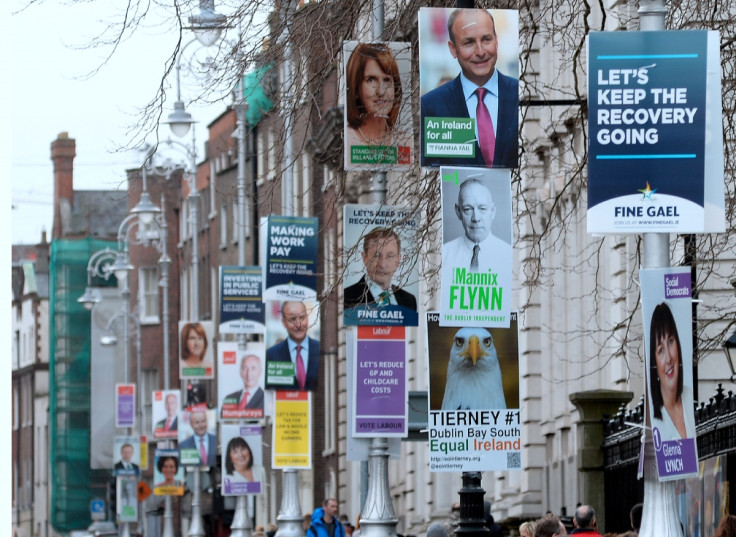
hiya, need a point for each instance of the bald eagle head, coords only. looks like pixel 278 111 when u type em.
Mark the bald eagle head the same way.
pixel 473 374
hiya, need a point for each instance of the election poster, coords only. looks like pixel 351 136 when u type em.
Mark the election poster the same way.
pixel 198 437
pixel 655 160
pixel 124 405
pixel 292 345
pixel 168 474
pixel 292 430
pixel 196 344
pixel 291 258
pixel 377 106
pixel 242 459
pixel 165 410
pixel 240 382
pixel 476 247
pixel 126 454
pixel 474 416
pixel 667 314
pixel 469 95
pixel 241 300
pixel 379 389
pixel 127 499
pixel 381 266
pixel 358 448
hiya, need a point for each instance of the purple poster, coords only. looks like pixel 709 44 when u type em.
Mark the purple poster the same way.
pixel 667 313
pixel 125 405
pixel 380 393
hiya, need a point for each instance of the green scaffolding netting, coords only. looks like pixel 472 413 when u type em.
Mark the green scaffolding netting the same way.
pixel 73 483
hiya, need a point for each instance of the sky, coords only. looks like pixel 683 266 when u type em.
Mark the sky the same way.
pixel 51 91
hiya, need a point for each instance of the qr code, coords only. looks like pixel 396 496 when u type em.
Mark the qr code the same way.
pixel 513 459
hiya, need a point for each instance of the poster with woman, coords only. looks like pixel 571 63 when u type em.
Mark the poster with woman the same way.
pixel 168 475
pixel 195 350
pixel 242 459
pixel 378 126
pixel 667 314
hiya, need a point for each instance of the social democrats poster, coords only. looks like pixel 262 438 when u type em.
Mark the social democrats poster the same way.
pixel 242 459
pixel 168 474
pixel 292 430
pixel 469 95
pixel 477 252
pixel 666 295
pixel 379 385
pixel 241 300
pixel 655 160
pixel 377 106
pixel 381 266
pixel 291 258
pixel 474 416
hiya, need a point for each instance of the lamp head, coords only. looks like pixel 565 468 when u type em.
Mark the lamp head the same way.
pixel 121 267
pixel 179 120
pixel 208 24
pixel 146 209
pixel 90 297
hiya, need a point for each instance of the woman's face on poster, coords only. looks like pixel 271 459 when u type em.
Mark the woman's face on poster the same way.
pixel 169 470
pixel 376 91
pixel 668 362
pixel 240 458
pixel 195 344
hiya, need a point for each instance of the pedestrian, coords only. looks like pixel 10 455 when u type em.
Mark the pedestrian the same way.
pixel 325 522
pixel 635 516
pixel 527 529
pixel 727 527
pixel 584 521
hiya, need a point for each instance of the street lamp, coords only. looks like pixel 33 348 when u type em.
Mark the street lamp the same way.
pixel 208 25
pixel 100 266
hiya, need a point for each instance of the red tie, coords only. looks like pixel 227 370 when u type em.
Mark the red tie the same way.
pixel 202 452
pixel 168 424
pixel 301 373
pixel 487 139
pixel 244 401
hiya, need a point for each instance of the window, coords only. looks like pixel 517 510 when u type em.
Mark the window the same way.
pixel 148 294
pixel 236 220
pixel 223 225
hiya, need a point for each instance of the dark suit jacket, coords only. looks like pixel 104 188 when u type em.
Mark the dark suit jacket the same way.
pixel 359 294
pixel 189 443
pixel 280 353
pixel 256 400
pixel 119 467
pixel 449 101
pixel 162 423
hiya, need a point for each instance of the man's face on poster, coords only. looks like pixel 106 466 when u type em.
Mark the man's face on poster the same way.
pixel 250 372
pixel 198 421
pixel 126 453
pixel 473 43
pixel 295 319
pixel 381 259
pixel 172 405
pixel 476 211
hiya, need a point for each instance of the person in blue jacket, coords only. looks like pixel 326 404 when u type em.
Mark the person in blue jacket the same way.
pixel 325 522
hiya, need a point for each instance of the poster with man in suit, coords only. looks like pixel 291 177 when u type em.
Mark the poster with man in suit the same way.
pixel 469 65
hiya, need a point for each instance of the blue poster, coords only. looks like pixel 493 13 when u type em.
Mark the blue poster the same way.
pixel 241 300
pixel 647 131
pixel 291 258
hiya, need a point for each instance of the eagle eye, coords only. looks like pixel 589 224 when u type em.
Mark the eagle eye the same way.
pixel 459 342
pixel 487 341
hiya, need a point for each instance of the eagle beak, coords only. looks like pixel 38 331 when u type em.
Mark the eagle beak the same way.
pixel 474 351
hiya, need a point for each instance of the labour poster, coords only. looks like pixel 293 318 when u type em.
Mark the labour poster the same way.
pixel 240 382
pixel 292 430
pixel 377 111
pixel 380 392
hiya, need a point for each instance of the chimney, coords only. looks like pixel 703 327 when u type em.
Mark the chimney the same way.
pixel 63 151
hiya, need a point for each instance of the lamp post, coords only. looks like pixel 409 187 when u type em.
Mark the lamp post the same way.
pixel 207 27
